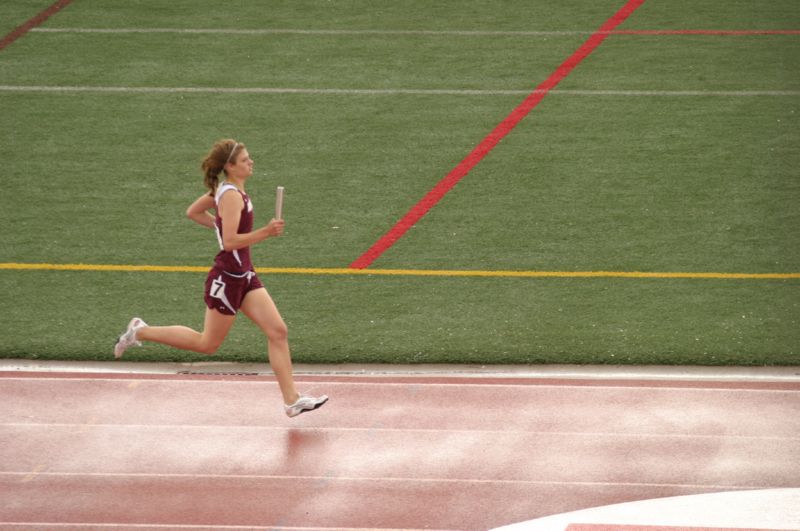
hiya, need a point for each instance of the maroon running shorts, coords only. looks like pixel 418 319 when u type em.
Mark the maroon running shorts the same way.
pixel 226 291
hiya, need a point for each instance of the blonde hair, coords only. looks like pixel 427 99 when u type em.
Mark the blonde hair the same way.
pixel 223 152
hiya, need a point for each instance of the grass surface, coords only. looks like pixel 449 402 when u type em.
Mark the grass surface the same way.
pixel 586 182
pixel 418 320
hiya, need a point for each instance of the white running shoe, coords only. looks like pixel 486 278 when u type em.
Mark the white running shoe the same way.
pixel 128 339
pixel 303 404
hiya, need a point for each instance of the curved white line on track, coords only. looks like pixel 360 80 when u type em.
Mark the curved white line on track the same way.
pixel 771 509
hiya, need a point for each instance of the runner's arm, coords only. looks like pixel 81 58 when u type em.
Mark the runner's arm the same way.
pixel 230 210
pixel 199 211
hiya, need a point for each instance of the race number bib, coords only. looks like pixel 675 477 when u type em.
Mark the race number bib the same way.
pixel 218 289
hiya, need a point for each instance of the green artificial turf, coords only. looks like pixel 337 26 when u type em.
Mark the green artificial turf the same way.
pixel 686 161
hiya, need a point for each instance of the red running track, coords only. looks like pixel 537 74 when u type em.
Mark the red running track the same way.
pixel 137 451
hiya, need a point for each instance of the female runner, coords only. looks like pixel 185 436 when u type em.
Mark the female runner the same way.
pixel 232 284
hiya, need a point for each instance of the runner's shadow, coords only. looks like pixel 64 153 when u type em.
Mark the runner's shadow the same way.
pixel 302 443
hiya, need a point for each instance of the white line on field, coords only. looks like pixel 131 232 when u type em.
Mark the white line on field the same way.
pixel 398 91
pixel 287 31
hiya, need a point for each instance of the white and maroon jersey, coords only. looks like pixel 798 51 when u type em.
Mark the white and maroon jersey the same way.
pixel 237 261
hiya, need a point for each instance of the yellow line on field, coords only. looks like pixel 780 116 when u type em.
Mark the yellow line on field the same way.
pixel 400 272
pixel 102 267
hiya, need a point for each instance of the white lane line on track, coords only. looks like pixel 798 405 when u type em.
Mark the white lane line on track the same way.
pixel 370 430
pixel 326 478
pixel 672 385
pixel 395 91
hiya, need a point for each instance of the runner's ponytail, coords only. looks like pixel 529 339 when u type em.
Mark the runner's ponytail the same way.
pixel 214 162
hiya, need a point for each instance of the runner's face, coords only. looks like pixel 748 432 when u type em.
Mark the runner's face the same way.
pixel 243 166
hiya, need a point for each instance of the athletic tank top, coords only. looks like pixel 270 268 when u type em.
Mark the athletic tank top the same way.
pixel 237 261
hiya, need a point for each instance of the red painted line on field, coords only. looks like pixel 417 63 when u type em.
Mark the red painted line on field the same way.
pixel 22 29
pixel 705 32
pixel 488 143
